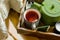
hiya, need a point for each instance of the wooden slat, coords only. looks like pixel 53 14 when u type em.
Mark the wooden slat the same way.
pixel 46 35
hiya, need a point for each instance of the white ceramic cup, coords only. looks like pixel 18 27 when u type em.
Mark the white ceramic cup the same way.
pixel 34 15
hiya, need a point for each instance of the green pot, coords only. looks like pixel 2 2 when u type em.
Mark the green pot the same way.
pixel 51 11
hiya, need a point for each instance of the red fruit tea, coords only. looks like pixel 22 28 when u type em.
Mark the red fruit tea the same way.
pixel 32 16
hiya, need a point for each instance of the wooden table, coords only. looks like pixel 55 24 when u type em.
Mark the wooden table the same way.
pixel 14 17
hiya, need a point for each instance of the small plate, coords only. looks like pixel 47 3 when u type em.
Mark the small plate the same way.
pixel 57 25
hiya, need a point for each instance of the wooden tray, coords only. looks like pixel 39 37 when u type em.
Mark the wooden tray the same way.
pixel 39 34
pixel 50 35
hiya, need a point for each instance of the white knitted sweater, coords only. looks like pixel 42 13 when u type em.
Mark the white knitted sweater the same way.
pixel 4 10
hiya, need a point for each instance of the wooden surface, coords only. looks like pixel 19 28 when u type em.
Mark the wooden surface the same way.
pixel 14 17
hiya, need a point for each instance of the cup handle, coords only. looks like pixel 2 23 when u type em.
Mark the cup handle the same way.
pixel 34 26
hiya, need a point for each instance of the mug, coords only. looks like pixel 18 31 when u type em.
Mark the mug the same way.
pixel 31 18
